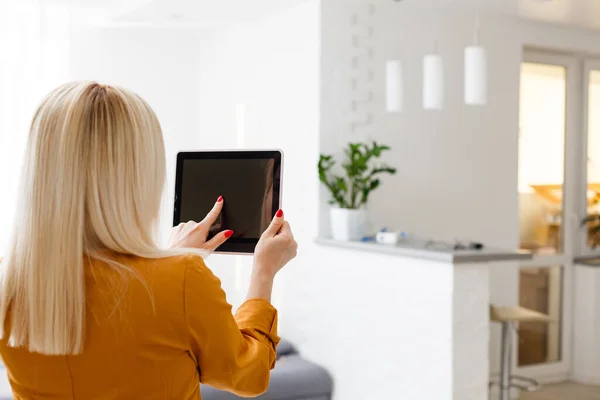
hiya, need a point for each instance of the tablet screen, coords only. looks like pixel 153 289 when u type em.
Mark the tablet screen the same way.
pixel 248 183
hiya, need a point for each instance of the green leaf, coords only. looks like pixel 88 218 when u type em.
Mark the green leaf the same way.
pixel 374 184
pixel 354 189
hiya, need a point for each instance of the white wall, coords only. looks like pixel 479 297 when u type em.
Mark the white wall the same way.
pixel 271 67
pixel 457 169
pixel 194 79
pixel 586 323
pixel 162 66
pixel 34 41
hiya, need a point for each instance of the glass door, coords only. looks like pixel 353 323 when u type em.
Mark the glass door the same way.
pixel 591 79
pixel 548 136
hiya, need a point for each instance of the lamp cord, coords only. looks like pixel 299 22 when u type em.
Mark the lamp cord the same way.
pixel 477 22
pixel 436 26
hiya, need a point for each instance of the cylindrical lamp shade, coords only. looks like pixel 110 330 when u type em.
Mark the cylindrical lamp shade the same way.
pixel 433 82
pixel 475 76
pixel 393 86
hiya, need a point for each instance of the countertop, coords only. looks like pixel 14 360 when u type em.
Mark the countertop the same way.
pixel 431 251
pixel 588 261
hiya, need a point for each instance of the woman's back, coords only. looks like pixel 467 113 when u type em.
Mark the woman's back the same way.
pixel 153 333
pixel 92 307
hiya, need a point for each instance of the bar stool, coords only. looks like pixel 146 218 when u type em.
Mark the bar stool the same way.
pixel 508 317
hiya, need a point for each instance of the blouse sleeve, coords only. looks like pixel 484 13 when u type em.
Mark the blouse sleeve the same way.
pixel 233 353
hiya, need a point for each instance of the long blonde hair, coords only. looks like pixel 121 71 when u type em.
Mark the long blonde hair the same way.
pixel 92 181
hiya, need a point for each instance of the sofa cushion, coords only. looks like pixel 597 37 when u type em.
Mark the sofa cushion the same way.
pixel 285 348
pixel 293 378
pixel 297 378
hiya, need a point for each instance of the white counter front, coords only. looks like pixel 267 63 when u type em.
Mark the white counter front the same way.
pixel 389 326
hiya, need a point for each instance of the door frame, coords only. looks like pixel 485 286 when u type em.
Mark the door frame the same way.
pixel 588 64
pixel 573 199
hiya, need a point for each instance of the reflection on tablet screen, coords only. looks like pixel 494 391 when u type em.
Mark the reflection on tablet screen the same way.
pixel 246 186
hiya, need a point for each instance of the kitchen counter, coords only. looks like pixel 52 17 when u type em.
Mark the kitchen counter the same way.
pixel 422 307
pixel 431 250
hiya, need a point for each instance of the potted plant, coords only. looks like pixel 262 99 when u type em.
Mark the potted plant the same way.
pixel 350 191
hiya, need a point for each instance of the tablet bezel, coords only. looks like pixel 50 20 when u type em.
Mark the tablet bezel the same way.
pixel 244 246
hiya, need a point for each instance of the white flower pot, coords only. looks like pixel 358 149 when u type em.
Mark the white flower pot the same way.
pixel 348 224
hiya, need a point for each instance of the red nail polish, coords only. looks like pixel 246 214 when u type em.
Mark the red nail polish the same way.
pixel 228 234
pixel 279 213
pixel 220 199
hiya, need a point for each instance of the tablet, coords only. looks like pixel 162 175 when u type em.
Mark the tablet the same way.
pixel 250 183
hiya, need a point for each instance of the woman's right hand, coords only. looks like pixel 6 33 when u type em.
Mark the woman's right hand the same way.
pixel 275 248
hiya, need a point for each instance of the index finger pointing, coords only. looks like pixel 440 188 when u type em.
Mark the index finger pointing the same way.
pixel 213 214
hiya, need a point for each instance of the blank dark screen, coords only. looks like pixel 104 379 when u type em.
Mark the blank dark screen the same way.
pixel 246 186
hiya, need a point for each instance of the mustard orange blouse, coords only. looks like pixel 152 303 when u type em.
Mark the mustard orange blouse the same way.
pixel 154 333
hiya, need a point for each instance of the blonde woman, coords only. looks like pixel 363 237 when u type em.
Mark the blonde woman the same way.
pixel 91 307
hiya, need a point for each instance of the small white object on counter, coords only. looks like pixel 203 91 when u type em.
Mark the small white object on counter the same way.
pixel 387 237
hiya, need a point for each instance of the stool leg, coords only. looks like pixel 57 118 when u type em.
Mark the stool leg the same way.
pixel 505 368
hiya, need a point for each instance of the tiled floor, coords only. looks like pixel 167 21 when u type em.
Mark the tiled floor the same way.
pixel 565 391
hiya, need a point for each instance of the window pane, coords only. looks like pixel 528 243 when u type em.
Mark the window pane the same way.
pixel 540 289
pixel 541 156
pixel 593 170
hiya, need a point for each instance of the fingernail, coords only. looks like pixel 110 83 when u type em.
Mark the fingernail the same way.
pixel 220 199
pixel 228 234
pixel 279 213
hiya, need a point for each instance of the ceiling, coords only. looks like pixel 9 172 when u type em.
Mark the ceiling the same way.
pixel 197 13
pixel 579 13
pixel 206 11
pixel 576 13
pixel 211 13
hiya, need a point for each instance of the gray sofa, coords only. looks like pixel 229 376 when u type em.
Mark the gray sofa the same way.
pixel 293 378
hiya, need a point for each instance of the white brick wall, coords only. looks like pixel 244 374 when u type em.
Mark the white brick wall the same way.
pixel 586 325
pixel 391 327
pixel 471 332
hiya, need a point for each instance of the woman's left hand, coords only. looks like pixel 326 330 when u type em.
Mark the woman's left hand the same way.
pixel 194 234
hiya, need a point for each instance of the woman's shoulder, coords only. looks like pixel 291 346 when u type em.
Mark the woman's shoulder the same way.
pixel 164 277
pixel 174 269
pixel 171 268
pixel 185 265
pixel 179 261
pixel 183 262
